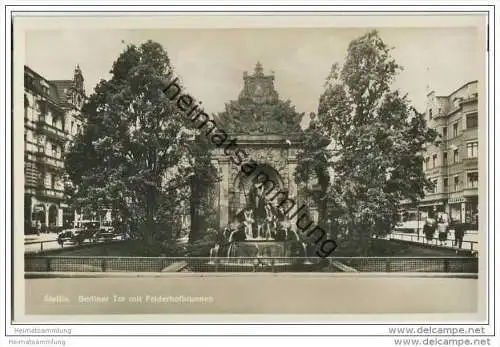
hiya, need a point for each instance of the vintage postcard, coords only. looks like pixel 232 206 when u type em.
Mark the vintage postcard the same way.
pixel 213 167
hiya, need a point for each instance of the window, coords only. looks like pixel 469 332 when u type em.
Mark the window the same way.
pixel 445 158
pixel 439 110
pixel 435 186
pixel 445 184
pixel 471 121
pixel 472 179
pixel 456 183
pixel 430 113
pixel 445 133
pixel 48 149
pixel 26 106
pixel 455 129
pixel 434 160
pixel 455 156
pixel 472 150
pixel 427 163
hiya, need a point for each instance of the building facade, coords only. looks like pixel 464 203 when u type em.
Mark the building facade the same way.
pixel 452 165
pixel 51 120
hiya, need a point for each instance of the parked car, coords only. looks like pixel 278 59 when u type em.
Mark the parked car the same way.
pixel 105 233
pixel 69 235
pixel 85 231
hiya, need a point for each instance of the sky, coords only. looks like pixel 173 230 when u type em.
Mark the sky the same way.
pixel 211 62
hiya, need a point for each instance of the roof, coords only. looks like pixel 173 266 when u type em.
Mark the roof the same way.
pixel 57 88
pixel 62 86
pixel 453 92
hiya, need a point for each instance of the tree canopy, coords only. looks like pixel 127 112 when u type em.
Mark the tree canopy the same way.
pixel 377 142
pixel 137 150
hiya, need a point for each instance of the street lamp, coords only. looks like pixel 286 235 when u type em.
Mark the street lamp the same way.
pixel 329 221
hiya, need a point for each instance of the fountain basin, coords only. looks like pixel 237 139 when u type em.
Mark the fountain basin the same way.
pixel 265 249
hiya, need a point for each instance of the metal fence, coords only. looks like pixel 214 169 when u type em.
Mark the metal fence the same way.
pixel 37 263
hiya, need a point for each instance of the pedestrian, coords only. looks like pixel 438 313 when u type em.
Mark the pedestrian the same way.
pixel 442 228
pixel 476 219
pixel 459 234
pixel 38 227
pixel 429 230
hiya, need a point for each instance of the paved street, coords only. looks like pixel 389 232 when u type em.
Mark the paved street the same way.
pixel 48 242
pixel 258 293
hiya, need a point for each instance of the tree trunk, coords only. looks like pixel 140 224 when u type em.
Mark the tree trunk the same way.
pixel 195 231
pixel 150 225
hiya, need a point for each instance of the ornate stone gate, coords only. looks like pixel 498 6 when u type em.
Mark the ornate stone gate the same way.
pixel 267 129
pixel 274 154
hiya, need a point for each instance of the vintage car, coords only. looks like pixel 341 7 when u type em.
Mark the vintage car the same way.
pixel 85 231
pixel 105 233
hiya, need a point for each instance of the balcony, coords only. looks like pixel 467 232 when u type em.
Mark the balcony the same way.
pixel 470 163
pixel 50 192
pixel 28 123
pixel 52 131
pixel 471 98
pixel 470 191
pixel 437 171
pixel 434 196
pixel 470 134
pixel 52 162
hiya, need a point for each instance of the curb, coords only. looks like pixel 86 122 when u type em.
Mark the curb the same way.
pixel 33 275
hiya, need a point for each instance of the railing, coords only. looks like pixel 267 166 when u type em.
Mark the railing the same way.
pixel 52 130
pixel 50 192
pixel 54 162
pixel 450 243
pixel 35 263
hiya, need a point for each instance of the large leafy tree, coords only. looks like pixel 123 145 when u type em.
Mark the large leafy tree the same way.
pixel 378 138
pixel 313 164
pixel 137 152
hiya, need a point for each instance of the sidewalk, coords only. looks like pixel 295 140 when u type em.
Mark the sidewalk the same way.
pixel 68 274
pixel 470 241
pixel 41 237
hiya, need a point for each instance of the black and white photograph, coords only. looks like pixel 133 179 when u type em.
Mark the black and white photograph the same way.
pixel 206 165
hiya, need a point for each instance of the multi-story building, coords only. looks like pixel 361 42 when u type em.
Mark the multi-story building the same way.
pixel 51 119
pixel 452 165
